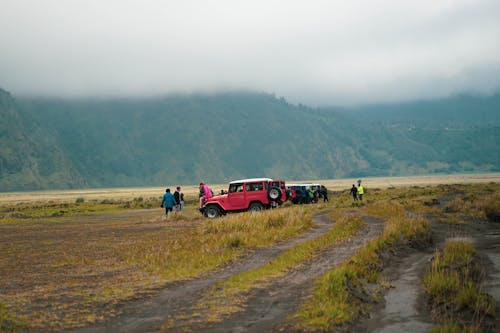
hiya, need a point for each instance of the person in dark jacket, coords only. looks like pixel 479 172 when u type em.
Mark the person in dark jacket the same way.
pixel 168 202
pixel 304 195
pixel 324 193
pixel 354 192
pixel 177 197
pixel 182 200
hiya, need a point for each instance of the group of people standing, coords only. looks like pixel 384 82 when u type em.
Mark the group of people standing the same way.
pixel 173 202
pixel 305 194
pixel 357 192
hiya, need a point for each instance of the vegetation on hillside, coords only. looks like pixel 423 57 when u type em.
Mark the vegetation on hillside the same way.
pixel 54 143
pixel 30 156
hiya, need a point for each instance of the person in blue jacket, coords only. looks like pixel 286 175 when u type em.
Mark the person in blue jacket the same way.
pixel 168 202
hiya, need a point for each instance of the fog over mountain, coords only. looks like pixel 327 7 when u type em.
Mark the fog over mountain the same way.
pixel 315 52
pixel 123 93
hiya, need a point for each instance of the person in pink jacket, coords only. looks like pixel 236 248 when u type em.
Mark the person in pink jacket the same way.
pixel 205 193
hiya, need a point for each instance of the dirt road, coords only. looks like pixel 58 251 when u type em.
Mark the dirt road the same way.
pixel 266 309
pixel 404 307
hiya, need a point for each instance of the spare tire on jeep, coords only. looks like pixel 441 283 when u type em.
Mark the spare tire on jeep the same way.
pixel 274 193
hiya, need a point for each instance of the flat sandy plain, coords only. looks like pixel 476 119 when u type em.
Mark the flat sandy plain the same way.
pixel 122 270
pixel 331 184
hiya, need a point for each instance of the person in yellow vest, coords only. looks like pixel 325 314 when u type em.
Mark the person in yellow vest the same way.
pixel 361 191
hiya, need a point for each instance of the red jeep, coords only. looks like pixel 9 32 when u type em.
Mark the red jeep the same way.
pixel 253 194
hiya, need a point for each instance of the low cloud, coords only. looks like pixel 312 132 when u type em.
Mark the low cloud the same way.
pixel 312 52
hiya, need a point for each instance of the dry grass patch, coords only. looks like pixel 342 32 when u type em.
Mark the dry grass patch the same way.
pixel 471 203
pixel 55 211
pixel 229 296
pixel 481 206
pixel 76 272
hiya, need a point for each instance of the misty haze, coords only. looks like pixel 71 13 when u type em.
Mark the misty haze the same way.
pixel 315 53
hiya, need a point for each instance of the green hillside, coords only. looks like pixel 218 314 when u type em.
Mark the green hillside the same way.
pixel 55 143
pixel 30 157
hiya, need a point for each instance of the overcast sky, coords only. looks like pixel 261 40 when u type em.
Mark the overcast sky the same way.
pixel 312 52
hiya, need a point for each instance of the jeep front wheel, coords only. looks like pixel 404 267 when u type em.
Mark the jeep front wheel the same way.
pixel 255 207
pixel 212 212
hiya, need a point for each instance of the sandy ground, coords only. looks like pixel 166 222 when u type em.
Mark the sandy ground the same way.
pixel 404 307
pixel 331 184
pixel 266 310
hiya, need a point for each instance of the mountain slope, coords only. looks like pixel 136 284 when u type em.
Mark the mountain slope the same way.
pixel 454 134
pixel 30 158
pixel 216 138
pixel 183 139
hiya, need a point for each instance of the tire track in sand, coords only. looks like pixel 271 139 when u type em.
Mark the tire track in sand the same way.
pixel 147 315
pixel 269 307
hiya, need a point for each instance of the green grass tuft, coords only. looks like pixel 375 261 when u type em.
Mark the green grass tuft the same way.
pixel 454 284
pixel 8 323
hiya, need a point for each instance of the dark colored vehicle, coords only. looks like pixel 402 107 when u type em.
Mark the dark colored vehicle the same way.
pixel 300 193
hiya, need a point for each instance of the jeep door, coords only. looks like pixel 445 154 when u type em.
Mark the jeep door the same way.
pixel 236 197
pixel 255 191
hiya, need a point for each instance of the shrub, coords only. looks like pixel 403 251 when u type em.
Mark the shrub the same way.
pixel 8 323
pixel 449 328
pixel 454 284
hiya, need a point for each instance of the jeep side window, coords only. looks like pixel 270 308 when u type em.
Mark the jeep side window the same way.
pixel 254 187
pixel 235 188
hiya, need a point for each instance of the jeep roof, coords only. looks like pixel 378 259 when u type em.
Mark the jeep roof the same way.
pixel 250 180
